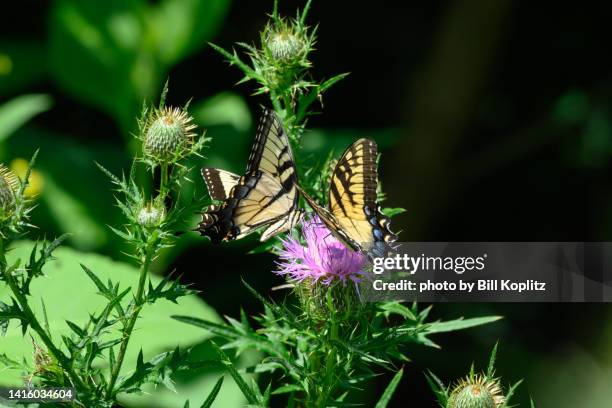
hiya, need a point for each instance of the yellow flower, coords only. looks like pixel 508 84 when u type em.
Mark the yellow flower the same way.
pixel 6 65
pixel 35 184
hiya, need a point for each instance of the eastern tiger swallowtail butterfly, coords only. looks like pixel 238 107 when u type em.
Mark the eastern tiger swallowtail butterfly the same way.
pixel 265 196
pixel 353 216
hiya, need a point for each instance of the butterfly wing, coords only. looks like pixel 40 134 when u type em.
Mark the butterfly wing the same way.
pixel 265 196
pixel 354 216
pixel 331 222
pixel 219 182
pixel 353 195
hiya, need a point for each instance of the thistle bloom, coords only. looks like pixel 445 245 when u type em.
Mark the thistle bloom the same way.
pixel 323 259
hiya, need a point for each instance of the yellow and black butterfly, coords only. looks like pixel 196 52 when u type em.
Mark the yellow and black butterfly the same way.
pixel 265 196
pixel 354 216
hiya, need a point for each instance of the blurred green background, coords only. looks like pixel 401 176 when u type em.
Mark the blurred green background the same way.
pixel 493 118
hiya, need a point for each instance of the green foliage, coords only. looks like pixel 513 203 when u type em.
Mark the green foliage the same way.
pixel 91 356
pixel 318 361
pixel 127 46
pixel 279 67
pixel 213 394
pixel 388 394
pixel 22 62
pixel 155 331
pixel 120 347
pixel 226 108
pixel 19 110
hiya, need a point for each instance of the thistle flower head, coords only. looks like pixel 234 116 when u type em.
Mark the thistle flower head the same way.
pixel 167 135
pixel 322 259
pixel 9 186
pixel 477 391
pixel 151 215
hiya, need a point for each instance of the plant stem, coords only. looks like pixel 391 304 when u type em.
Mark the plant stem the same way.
pixel 129 327
pixel 63 360
pixel 275 103
pixel 163 185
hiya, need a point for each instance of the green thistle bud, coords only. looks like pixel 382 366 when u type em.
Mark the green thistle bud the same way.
pixel 9 185
pixel 168 135
pixel 284 45
pixel 476 391
pixel 151 215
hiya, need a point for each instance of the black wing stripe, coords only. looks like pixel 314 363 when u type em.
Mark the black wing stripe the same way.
pixel 261 137
pixel 219 182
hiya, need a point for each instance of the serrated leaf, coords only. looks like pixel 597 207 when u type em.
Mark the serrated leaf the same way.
pixel 76 329
pixel 388 394
pixel 234 59
pixel 438 388
pixel 8 313
pixel 491 367
pixel 9 363
pixel 459 324
pixel 511 392
pixel 157 370
pixel 250 394
pixel 392 212
pixel 167 289
pixel 101 287
pixel 284 389
pixel 306 100
pixel 399 309
pixel 215 328
pixel 213 394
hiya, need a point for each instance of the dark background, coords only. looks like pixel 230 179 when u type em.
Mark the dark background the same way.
pixel 493 118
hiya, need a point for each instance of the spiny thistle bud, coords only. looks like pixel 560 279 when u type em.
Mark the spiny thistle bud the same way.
pixel 168 135
pixel 9 185
pixel 151 215
pixel 284 45
pixel 476 391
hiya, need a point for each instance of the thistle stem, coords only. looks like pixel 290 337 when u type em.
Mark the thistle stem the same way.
pixel 163 185
pixel 129 327
pixel 63 360
pixel 276 103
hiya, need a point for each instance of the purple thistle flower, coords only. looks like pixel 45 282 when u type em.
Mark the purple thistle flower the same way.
pixel 324 258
